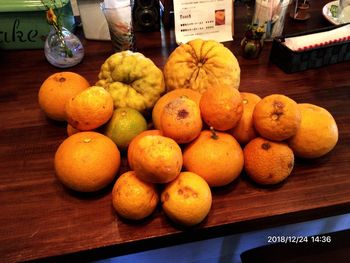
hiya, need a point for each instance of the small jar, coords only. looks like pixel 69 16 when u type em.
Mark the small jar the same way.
pixel 251 47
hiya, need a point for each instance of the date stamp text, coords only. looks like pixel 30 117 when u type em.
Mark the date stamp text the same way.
pixel 299 239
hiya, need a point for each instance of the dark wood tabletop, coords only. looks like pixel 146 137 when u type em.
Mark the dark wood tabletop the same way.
pixel 41 219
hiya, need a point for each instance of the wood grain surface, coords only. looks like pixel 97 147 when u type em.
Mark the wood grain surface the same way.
pixel 41 219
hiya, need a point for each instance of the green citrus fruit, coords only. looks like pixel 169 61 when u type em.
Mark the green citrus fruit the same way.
pixel 124 125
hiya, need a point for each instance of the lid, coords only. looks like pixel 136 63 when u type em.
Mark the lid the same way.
pixel 28 5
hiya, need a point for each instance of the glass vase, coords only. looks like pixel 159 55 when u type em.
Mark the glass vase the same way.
pixel 64 49
pixel 251 48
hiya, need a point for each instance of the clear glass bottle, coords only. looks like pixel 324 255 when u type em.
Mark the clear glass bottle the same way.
pixel 64 49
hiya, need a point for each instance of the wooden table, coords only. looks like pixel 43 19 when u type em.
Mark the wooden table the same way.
pixel 39 218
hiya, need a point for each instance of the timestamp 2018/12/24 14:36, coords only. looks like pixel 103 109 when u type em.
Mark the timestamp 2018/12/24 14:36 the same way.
pixel 299 239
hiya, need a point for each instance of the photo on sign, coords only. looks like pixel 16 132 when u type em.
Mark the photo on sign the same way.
pixel 220 17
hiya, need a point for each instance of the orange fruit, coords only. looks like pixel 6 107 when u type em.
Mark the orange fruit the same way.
pixel 57 89
pixel 71 130
pixel 221 107
pixel 276 117
pixel 317 134
pixel 244 131
pixel 133 198
pixel 87 161
pixel 156 159
pixel 134 142
pixel 89 109
pixel 215 156
pixel 187 200
pixel 167 97
pixel 181 120
pixel 267 162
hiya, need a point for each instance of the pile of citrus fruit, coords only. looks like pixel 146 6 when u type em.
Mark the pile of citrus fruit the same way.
pixel 198 137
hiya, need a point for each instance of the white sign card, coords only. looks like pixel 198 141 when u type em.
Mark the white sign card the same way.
pixel 205 19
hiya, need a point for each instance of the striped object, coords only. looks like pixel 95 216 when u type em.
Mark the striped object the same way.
pixel 310 41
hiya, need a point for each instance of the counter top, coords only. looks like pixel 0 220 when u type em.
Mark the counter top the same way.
pixel 40 219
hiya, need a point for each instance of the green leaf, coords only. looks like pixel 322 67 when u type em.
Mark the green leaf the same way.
pixel 334 10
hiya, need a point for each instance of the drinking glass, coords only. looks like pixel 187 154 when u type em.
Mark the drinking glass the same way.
pixel 271 14
pixel 119 19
